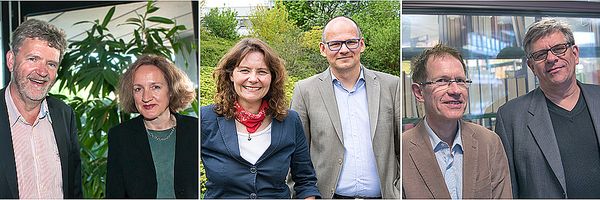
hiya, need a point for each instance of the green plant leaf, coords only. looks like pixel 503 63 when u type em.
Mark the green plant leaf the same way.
pixel 160 20
pixel 83 22
pixel 108 16
pixel 152 9
pixel 132 19
pixel 158 39
pixel 138 38
pixel 129 23
pixel 111 77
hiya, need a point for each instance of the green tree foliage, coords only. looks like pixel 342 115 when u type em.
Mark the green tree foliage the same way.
pixel 275 27
pixel 273 24
pixel 93 65
pixel 308 14
pixel 311 39
pixel 380 25
pixel 221 23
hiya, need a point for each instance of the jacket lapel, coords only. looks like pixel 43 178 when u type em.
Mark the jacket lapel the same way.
pixel 7 156
pixel 60 135
pixel 229 136
pixel 276 135
pixel 421 154
pixel 540 126
pixel 185 142
pixel 326 90
pixel 593 105
pixel 373 93
pixel 470 160
pixel 139 140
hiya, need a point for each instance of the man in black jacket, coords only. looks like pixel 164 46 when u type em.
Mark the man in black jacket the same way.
pixel 39 152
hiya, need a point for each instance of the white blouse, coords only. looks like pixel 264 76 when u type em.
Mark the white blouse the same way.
pixel 253 145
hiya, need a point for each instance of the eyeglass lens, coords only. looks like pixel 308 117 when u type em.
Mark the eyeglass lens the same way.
pixel 337 45
pixel 557 50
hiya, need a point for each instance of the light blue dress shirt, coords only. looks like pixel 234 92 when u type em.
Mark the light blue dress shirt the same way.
pixel 450 160
pixel 358 176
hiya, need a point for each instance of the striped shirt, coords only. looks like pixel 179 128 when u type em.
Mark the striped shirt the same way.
pixel 39 173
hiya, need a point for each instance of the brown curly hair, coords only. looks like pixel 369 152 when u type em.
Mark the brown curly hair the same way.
pixel 226 95
pixel 181 89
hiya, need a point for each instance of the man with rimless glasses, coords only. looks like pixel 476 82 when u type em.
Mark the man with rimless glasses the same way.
pixel 444 156
pixel 551 134
pixel 351 118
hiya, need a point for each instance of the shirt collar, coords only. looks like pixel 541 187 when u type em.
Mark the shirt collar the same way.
pixel 436 141
pixel 13 113
pixel 359 82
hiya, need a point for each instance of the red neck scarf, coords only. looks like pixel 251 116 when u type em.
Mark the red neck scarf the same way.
pixel 248 119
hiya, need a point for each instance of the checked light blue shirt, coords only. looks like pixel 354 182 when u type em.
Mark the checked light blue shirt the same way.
pixel 450 160
pixel 358 177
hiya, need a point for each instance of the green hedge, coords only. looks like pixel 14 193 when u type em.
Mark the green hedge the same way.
pixel 213 48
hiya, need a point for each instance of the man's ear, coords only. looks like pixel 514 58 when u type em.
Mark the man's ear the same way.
pixel 362 45
pixel 322 49
pixel 10 60
pixel 576 53
pixel 418 92
pixel 530 64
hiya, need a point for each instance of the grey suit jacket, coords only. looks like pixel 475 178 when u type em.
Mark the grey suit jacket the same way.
pixel 315 102
pixel 485 168
pixel 525 127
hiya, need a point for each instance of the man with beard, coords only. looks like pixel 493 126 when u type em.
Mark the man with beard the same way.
pixel 39 152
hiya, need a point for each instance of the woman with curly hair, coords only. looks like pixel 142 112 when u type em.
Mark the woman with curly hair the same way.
pixel 250 140
pixel 154 155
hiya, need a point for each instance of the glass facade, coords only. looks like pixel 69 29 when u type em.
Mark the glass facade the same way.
pixel 493 51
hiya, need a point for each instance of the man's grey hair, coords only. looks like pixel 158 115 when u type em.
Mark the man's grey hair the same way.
pixel 544 28
pixel 41 30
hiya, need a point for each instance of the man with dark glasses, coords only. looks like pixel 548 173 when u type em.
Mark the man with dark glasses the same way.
pixel 443 156
pixel 351 117
pixel 551 134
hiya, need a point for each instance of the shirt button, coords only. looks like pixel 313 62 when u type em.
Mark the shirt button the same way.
pixel 253 170
pixel 340 161
pixel 253 196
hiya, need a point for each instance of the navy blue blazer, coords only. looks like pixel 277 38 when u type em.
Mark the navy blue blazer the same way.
pixel 231 176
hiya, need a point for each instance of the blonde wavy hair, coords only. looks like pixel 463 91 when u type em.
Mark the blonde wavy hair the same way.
pixel 181 89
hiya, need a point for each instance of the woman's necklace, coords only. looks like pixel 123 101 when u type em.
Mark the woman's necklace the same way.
pixel 165 138
pixel 161 138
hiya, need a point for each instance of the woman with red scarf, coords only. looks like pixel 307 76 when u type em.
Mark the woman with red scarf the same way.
pixel 250 140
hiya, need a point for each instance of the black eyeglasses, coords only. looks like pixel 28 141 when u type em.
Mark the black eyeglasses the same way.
pixel 464 83
pixel 337 45
pixel 557 50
